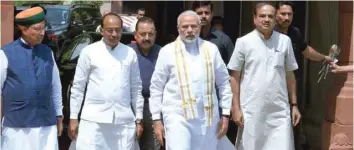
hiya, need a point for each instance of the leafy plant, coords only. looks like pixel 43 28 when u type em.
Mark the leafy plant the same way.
pixel 28 3
pixel 96 2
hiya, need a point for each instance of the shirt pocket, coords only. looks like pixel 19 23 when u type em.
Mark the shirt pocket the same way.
pixel 279 59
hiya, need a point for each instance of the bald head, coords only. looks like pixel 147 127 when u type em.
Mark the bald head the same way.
pixel 111 28
pixel 109 17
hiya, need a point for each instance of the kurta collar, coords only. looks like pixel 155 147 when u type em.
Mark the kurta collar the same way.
pixel 23 43
pixel 109 47
pixel 262 36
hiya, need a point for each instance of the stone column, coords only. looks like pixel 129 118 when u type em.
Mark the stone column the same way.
pixel 7 22
pixel 337 129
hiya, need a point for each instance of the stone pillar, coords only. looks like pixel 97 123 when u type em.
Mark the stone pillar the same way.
pixel 337 129
pixel 7 22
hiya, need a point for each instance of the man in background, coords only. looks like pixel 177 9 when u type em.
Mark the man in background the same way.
pixel 139 14
pixel 147 52
pixel 284 18
pixel 205 11
pixel 218 23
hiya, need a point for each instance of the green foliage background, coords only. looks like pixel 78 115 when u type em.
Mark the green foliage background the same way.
pixel 27 3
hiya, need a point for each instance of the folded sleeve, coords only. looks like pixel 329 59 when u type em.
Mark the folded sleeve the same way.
pixel 290 61
pixel 237 58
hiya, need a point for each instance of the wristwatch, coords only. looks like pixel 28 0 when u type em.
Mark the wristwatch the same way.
pixel 226 116
pixel 293 104
pixel 138 121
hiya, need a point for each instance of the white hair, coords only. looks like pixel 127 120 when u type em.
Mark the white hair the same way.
pixel 188 13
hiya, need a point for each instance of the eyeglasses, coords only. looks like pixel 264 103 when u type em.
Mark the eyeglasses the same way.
pixel 111 30
pixel 39 29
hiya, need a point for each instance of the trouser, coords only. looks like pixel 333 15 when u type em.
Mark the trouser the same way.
pixel 148 140
pixel 299 135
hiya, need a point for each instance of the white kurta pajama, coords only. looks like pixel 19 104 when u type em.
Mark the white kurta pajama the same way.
pixel 113 99
pixel 263 91
pixel 188 121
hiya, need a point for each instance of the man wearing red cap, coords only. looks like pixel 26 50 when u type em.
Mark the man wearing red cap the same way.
pixel 30 88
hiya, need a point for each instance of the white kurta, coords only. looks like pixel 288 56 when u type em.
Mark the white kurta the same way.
pixel 113 99
pixel 165 97
pixel 263 91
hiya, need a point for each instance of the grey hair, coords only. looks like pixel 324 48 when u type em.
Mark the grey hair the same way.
pixel 188 13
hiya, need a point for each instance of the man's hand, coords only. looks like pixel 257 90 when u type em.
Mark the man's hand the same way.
pixel 237 116
pixel 73 128
pixel 139 130
pixel 159 131
pixel 328 59
pixel 60 125
pixel 295 115
pixel 223 125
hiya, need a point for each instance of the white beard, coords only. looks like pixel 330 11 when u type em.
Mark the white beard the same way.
pixel 190 41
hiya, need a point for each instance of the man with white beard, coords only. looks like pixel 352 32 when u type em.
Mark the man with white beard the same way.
pixel 183 91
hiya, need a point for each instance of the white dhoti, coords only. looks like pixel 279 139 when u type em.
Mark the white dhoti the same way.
pixel 182 134
pixel 102 136
pixel 41 138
